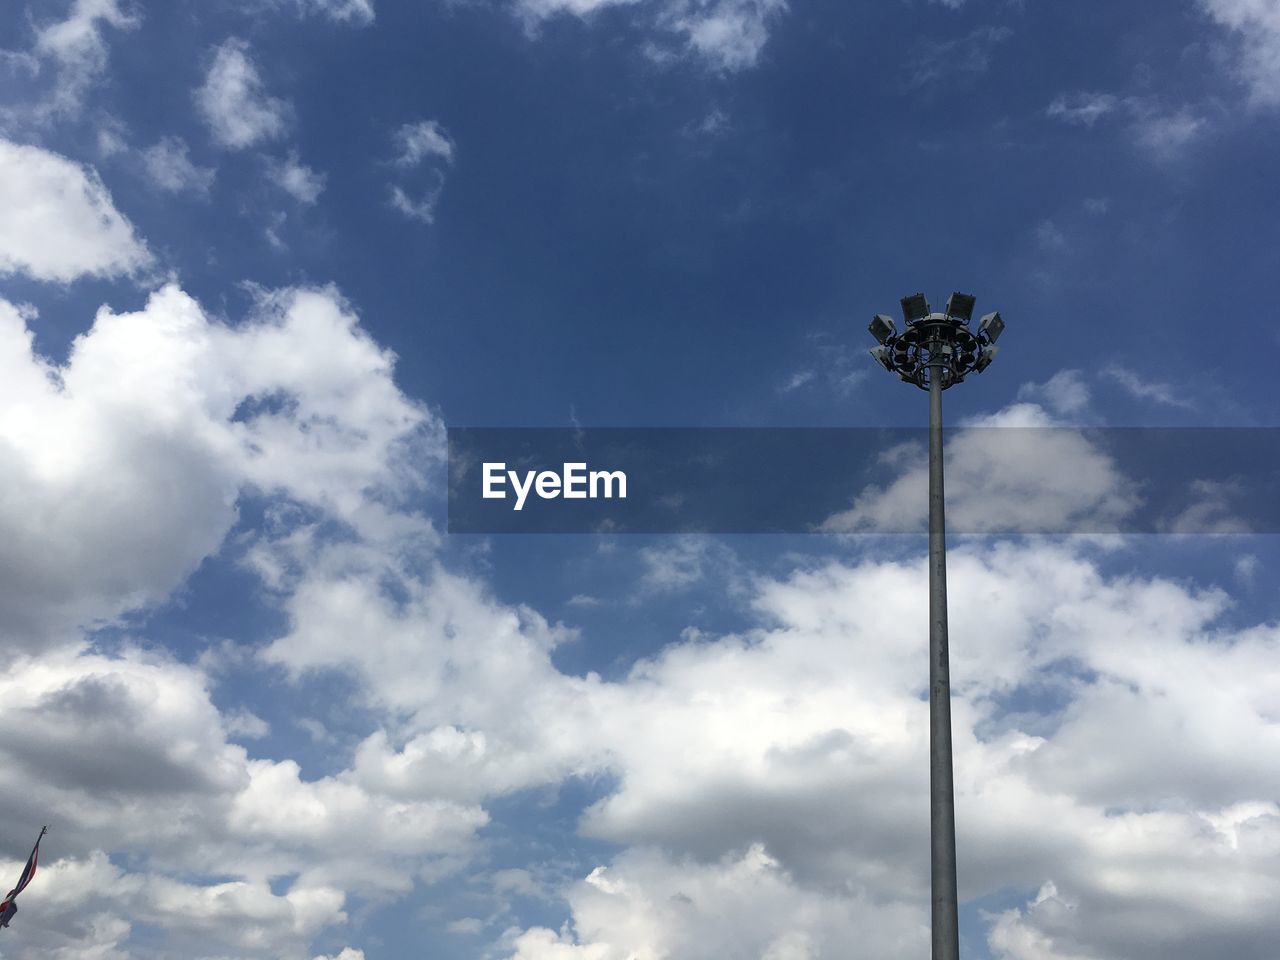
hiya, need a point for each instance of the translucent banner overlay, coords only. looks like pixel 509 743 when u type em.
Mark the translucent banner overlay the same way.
pixel 1029 480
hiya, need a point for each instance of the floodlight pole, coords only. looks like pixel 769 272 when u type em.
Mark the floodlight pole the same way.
pixel 942 797
pixel 937 351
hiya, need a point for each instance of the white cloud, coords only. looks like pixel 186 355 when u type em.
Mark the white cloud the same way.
pixel 782 816
pixel 128 753
pixel 1160 131
pixel 1045 479
pixel 296 179
pixel 123 466
pixel 727 34
pixel 649 905
pixel 1214 507
pixel 111 138
pixel 168 166
pixel 355 11
pixel 678 563
pixel 797 380
pixel 952 60
pixel 358 13
pixel 235 104
pixel 57 220
pixel 425 145
pixel 1065 393
pixel 1141 827
pixel 714 123
pixel 1049 236
pixel 245 723
pixel 1083 108
pixel 830 363
pixel 1246 568
pixel 1257 26
pixel 75 50
pixel 1167 134
pixel 424 140
pixel 421 208
pixel 1116 742
pixel 524 725
pixel 1143 389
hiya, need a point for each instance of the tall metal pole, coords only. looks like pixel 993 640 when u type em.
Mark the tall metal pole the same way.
pixel 942 798
pixel 935 352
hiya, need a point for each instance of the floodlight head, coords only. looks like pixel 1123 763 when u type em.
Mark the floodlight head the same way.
pixel 881 353
pixel 960 306
pixel 991 326
pixel 882 327
pixel 985 357
pixel 915 307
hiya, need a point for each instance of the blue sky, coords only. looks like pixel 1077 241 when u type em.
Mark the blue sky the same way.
pixel 256 255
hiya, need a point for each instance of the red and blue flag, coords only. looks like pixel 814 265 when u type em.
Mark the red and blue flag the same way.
pixel 28 872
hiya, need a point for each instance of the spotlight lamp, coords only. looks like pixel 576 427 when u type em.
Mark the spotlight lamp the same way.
pixel 881 353
pixel 882 327
pixel 914 308
pixel 936 345
pixel 984 358
pixel 960 306
pixel 991 326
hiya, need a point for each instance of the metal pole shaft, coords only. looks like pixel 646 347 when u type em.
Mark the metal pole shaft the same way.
pixel 942 801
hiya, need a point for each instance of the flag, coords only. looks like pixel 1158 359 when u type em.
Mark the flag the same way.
pixel 29 870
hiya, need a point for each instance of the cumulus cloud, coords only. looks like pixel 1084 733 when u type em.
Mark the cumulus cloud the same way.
pixel 729 34
pixel 817 789
pixel 1166 134
pixel 1114 738
pixel 123 465
pixel 1045 478
pixel 421 207
pixel 680 563
pixel 358 13
pixel 784 821
pixel 1159 130
pixel 524 725
pixel 75 51
pixel 1256 24
pixel 423 151
pixel 762 822
pixel 296 179
pixel 234 101
pixel 416 142
pixel 128 752
pixel 647 904
pixel 1083 108
pixel 726 34
pixel 1065 393
pixel 168 165
pixel 58 221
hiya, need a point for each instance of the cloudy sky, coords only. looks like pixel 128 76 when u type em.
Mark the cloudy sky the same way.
pixel 257 255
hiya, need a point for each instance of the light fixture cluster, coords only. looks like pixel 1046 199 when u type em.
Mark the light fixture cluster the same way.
pixel 936 344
